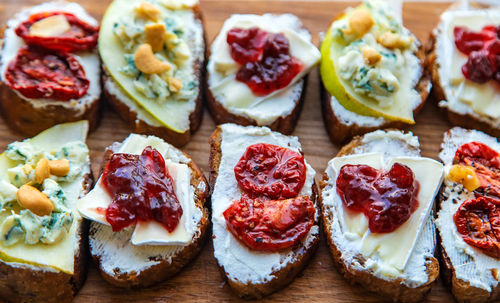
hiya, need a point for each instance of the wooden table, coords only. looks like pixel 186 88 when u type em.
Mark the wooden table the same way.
pixel 200 281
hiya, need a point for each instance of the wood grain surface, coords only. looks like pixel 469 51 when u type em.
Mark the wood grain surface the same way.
pixel 201 281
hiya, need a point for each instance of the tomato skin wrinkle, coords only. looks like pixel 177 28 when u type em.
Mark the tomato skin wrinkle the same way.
pixel 272 171
pixel 37 73
pixel 80 37
pixel 387 199
pixel 141 189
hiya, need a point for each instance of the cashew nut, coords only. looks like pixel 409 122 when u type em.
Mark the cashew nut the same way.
pixel 371 55
pixel 146 62
pixel 148 11
pixel 360 22
pixel 37 202
pixel 392 40
pixel 155 35
pixel 59 168
pixel 52 26
pixel 174 84
pixel 42 170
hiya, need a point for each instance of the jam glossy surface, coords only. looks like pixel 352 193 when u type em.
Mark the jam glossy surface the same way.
pixel 141 189
pixel 38 73
pixel 387 199
pixel 266 62
pixel 483 51
pixel 81 35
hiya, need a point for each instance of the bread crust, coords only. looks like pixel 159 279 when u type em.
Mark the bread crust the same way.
pixel 340 132
pixel 142 127
pixel 285 275
pixel 393 289
pixel 26 283
pixel 164 269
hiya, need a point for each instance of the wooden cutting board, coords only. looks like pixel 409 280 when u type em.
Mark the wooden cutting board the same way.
pixel 200 281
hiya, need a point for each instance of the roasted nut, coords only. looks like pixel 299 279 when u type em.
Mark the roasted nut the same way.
pixel 37 202
pixel 146 62
pixel 392 40
pixel 42 170
pixel 155 36
pixel 27 169
pixel 52 26
pixel 371 55
pixel 148 11
pixel 464 175
pixel 360 22
pixel 59 168
pixel 174 84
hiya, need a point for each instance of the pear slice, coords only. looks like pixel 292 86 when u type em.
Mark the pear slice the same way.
pixel 343 91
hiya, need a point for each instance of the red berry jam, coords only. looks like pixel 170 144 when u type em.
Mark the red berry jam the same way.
pixel 486 164
pixel 38 73
pixel 272 171
pixel 142 190
pixel 270 225
pixel 478 222
pixel 387 199
pixel 483 49
pixel 266 62
pixel 81 35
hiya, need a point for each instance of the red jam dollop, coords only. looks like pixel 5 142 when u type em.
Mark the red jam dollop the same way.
pixel 266 62
pixel 478 222
pixel 141 189
pixel 270 225
pixel 483 50
pixel 387 199
pixel 486 164
pixel 81 35
pixel 272 171
pixel 38 73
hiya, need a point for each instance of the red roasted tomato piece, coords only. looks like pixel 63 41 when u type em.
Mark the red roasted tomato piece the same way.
pixel 270 225
pixel 486 164
pixel 267 64
pixel 81 35
pixel 478 222
pixel 37 73
pixel 387 199
pixel 272 171
pixel 141 189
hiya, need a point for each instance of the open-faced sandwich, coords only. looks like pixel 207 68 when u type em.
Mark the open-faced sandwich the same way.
pixel 49 68
pixel 264 214
pixel 257 71
pixel 377 197
pixel 372 72
pixel 465 64
pixel 153 54
pixel 43 238
pixel 468 219
pixel 147 211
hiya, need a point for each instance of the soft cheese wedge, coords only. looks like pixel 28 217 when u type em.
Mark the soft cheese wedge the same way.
pixel 397 264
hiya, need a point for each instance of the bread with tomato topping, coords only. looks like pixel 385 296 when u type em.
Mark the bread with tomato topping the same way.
pixel 128 265
pixel 414 280
pixel 32 115
pixel 253 274
pixel 471 274
pixel 231 101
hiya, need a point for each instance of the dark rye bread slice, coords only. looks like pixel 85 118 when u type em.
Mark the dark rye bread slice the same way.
pixel 340 131
pixel 301 253
pixel 393 289
pixel 166 267
pixel 28 283
pixel 141 126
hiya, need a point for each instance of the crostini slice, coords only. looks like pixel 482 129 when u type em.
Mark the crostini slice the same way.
pixel 137 246
pixel 43 33
pixel 386 244
pixel 275 49
pixel 43 238
pixel 254 273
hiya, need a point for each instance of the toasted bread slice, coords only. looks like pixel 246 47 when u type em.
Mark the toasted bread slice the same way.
pixel 438 61
pixel 250 274
pixel 133 266
pixel 421 270
pixel 50 272
pixel 141 120
pixel 31 116
pixel 471 275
